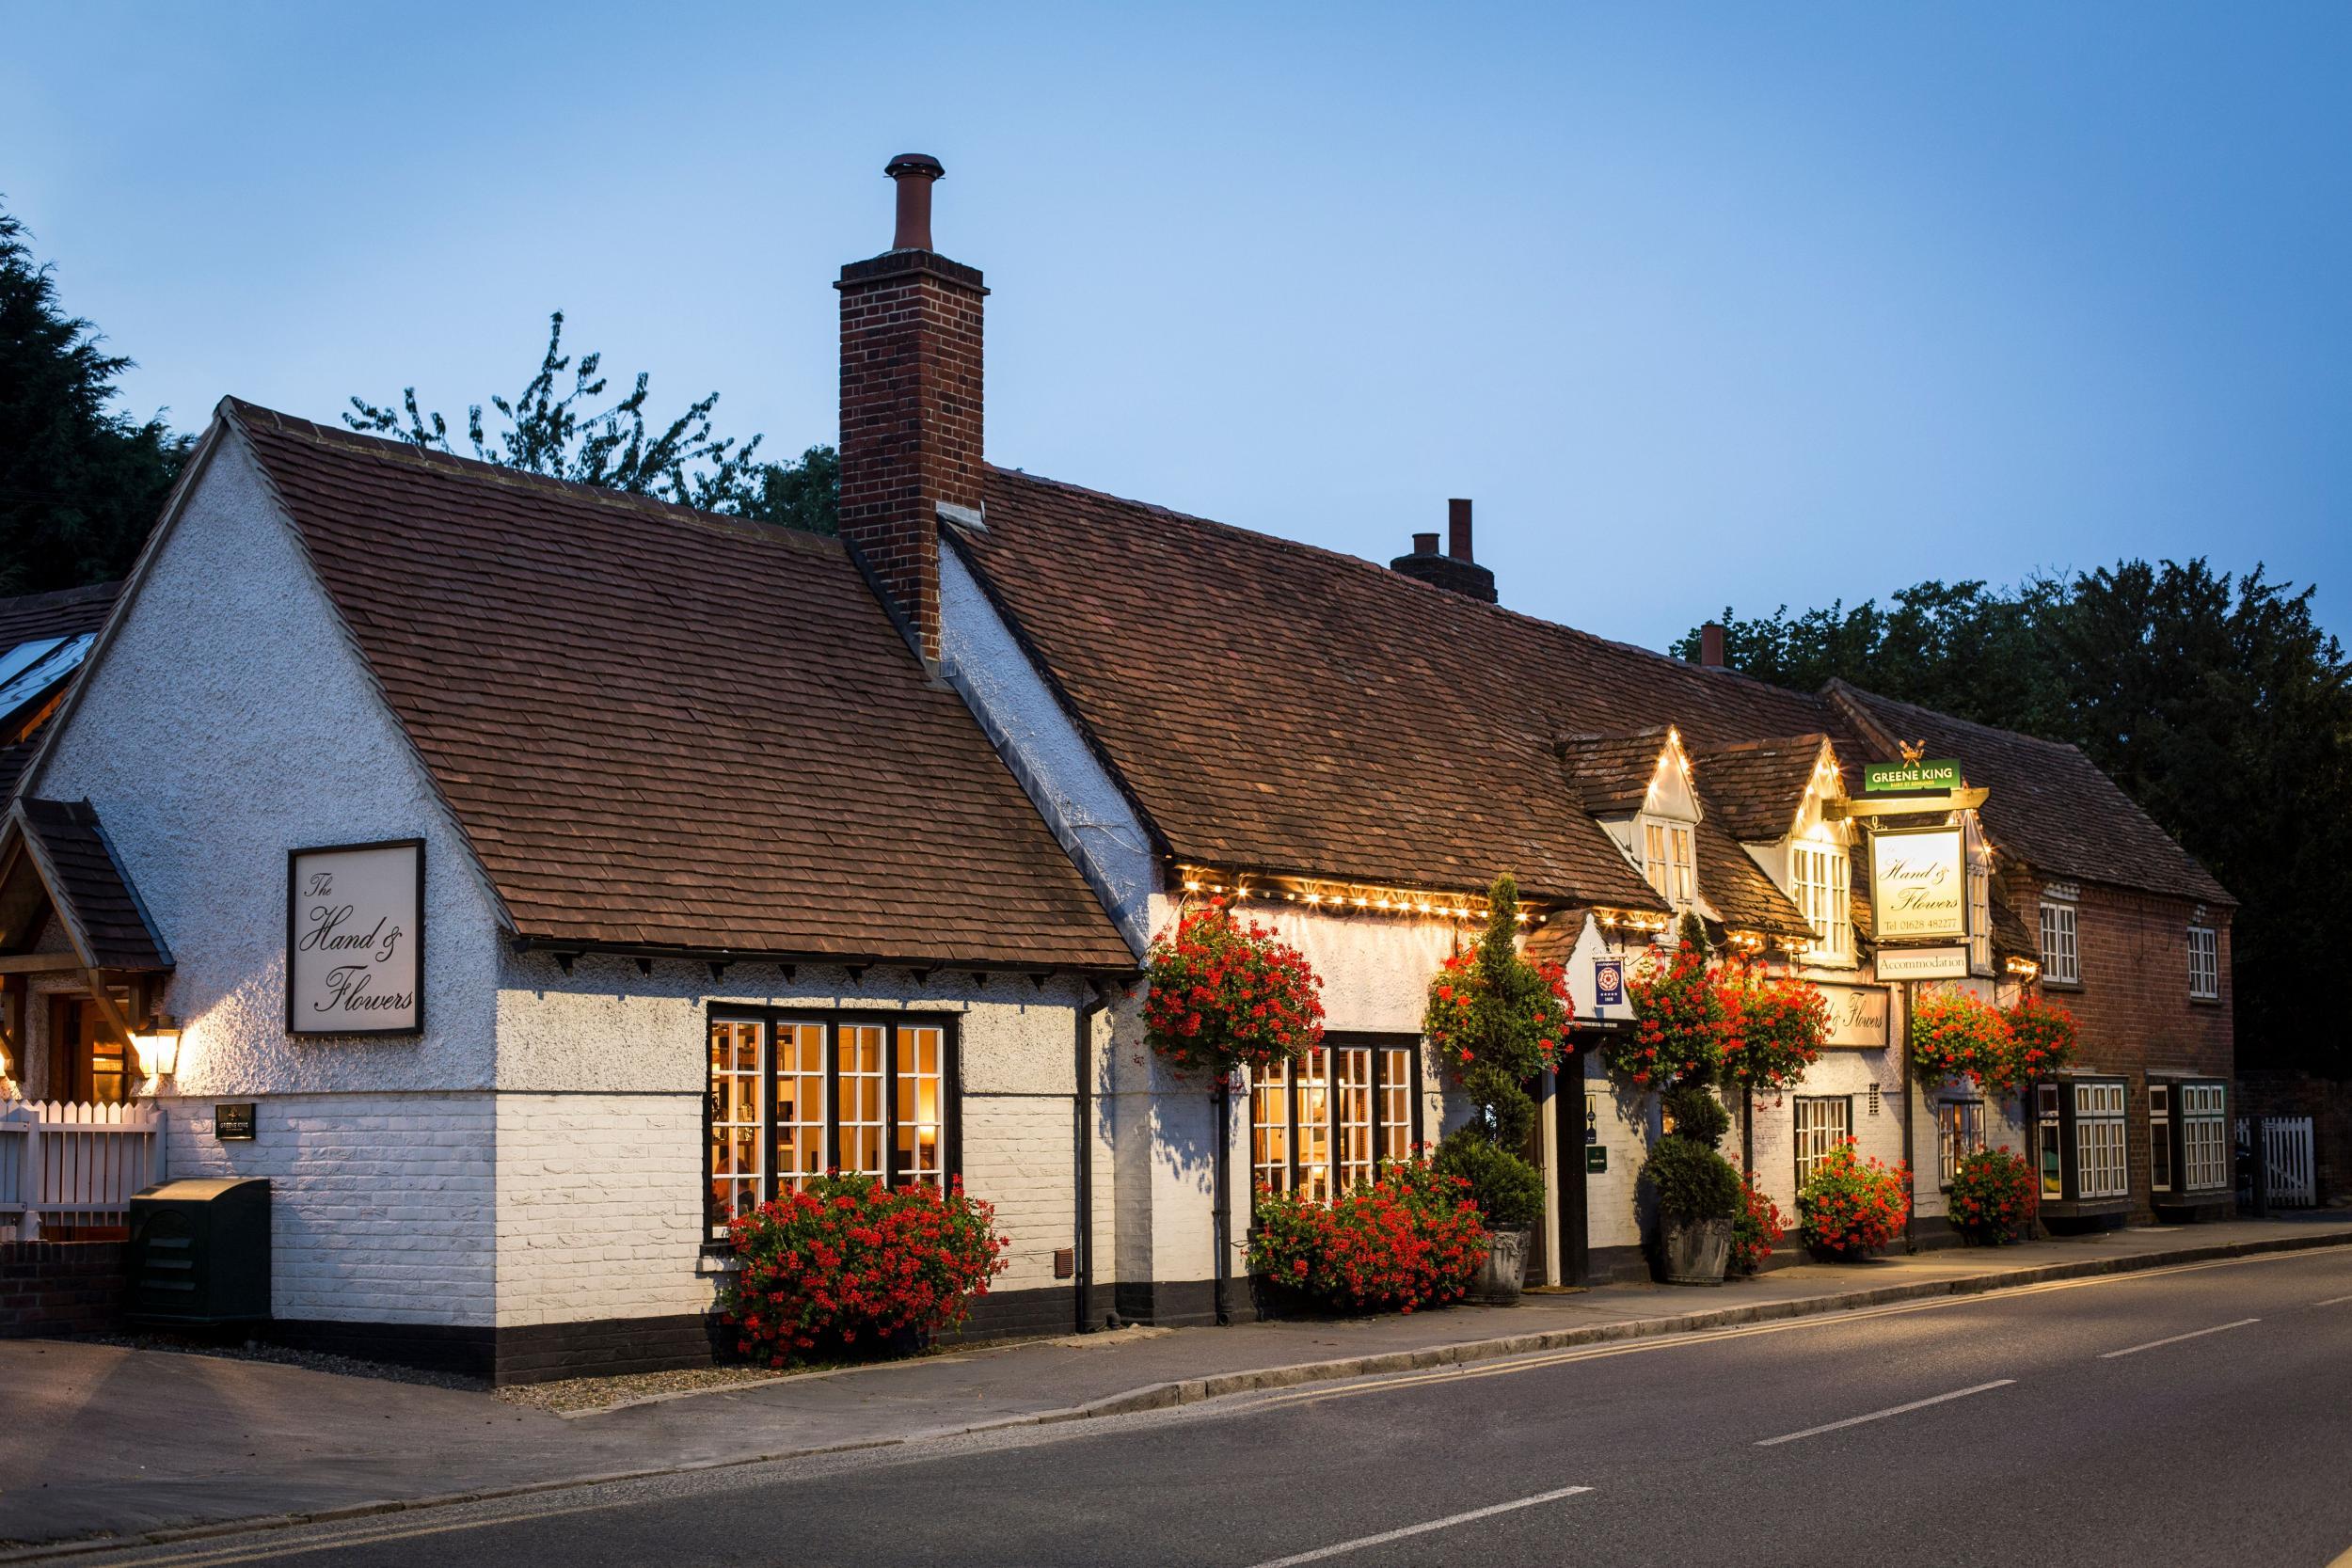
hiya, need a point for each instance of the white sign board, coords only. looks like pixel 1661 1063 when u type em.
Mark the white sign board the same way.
pixel 1919 884
pixel 354 939
pixel 1857 1015
pixel 1922 963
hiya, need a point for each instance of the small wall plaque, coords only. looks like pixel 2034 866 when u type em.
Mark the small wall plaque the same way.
pixel 1596 1158
pixel 233 1123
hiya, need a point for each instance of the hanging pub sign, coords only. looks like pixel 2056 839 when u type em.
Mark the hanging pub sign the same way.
pixel 1608 981
pixel 1910 778
pixel 1919 884
pixel 354 939
pixel 1858 1015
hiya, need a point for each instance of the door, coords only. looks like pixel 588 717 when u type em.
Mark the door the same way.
pixel 1570 1097
pixel 88 1060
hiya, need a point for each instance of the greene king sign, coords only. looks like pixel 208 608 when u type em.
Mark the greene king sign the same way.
pixel 1919 884
pixel 1908 778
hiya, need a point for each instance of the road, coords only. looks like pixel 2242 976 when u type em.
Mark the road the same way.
pixel 2196 1414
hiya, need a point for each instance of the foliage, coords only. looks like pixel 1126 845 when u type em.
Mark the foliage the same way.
pixel 80 483
pixel 1993 1197
pixel 1497 1019
pixel 1852 1207
pixel 1954 1033
pixel 1692 1181
pixel 2042 1041
pixel 1756 1229
pixel 1698 1114
pixel 1508 1189
pixel 1773 1029
pixel 1413 1239
pixel 1224 995
pixel 850 1260
pixel 2218 702
pixel 1679 1019
pixel 567 436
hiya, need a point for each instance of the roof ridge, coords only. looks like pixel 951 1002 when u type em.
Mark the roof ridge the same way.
pixel 52 597
pixel 1865 694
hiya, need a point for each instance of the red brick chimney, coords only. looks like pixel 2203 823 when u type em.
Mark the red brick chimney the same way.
pixel 911 451
pixel 1455 569
pixel 1711 645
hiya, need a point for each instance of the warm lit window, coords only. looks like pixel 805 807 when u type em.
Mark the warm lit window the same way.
pixel 1329 1120
pixel 1822 1123
pixel 1668 862
pixel 2061 960
pixel 2100 1170
pixel 2205 1136
pixel 793 1096
pixel 1824 897
pixel 2204 963
pixel 1959 1134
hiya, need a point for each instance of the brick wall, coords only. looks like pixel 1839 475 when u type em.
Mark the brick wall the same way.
pixel 911 419
pixel 60 1287
pixel 2327 1102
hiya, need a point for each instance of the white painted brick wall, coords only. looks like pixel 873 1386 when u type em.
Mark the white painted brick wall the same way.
pixel 1017 1156
pixel 599 1210
pixel 381 1205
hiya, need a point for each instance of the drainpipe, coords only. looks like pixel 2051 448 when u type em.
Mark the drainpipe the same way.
pixel 1082 1152
pixel 1221 1217
pixel 1910 1209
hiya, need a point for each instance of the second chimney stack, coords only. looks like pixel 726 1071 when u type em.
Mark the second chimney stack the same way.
pixel 1455 570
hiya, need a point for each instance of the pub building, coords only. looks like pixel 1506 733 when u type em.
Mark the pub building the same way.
pixel 524 877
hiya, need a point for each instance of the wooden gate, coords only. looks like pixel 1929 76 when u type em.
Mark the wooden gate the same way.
pixel 67 1165
pixel 2289 1157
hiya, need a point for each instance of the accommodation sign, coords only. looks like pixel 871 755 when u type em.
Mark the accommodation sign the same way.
pixel 1910 778
pixel 1857 1015
pixel 1919 884
pixel 354 939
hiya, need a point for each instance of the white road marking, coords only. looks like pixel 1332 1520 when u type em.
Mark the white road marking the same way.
pixel 366 1532
pixel 2332 1301
pixel 1447 1523
pixel 2195 1334
pixel 1882 1414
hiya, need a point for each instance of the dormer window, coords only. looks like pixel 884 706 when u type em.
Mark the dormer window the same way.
pixel 1823 888
pixel 1668 862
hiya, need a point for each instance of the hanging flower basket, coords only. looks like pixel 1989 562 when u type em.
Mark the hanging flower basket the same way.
pixel 1954 1033
pixel 1491 1005
pixel 1773 1030
pixel 1224 995
pixel 2042 1041
pixel 1677 1031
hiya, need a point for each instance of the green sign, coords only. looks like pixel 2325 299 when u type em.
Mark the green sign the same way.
pixel 1910 778
pixel 1596 1158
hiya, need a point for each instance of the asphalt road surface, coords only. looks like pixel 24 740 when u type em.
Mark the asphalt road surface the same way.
pixel 2197 1414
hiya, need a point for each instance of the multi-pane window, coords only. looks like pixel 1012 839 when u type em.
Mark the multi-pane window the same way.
pixel 793 1096
pixel 2204 963
pixel 2048 1149
pixel 1824 897
pixel 1959 1134
pixel 2100 1170
pixel 2061 960
pixel 1823 1122
pixel 2160 1137
pixel 1668 862
pixel 2205 1136
pixel 1329 1120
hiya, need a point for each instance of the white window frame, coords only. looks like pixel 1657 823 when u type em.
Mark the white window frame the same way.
pixel 2062 943
pixel 2205 963
pixel 2205 1141
pixel 1959 1133
pixel 1820 1123
pixel 1821 875
pixel 2160 1173
pixel 1669 857
pixel 2103 1167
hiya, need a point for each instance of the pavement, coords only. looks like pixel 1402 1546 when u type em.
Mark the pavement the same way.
pixel 114 1445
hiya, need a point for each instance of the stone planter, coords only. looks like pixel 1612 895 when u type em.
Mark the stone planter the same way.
pixel 1693 1252
pixel 1504 1274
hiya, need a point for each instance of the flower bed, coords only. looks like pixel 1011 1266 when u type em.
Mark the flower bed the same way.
pixel 1411 1240
pixel 1773 1030
pixel 1852 1206
pixel 1225 996
pixel 1993 1197
pixel 849 1263
pixel 1755 1229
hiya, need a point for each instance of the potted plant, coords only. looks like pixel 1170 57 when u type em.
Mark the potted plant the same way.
pixel 1496 1018
pixel 1755 1229
pixel 1411 1240
pixel 1993 1197
pixel 1698 1194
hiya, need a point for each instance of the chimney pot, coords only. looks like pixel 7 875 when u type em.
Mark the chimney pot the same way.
pixel 1711 645
pixel 913 172
pixel 1457 526
pixel 1424 544
pixel 1453 571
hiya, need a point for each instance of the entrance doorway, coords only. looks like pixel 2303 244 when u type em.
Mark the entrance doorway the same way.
pixel 88 1060
pixel 1569 1104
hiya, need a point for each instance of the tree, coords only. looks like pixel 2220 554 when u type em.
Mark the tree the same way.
pixel 2216 703
pixel 566 436
pixel 80 483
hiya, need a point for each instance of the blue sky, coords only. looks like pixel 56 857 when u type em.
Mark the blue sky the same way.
pixel 1740 305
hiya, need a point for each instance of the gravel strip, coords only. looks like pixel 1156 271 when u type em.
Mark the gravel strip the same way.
pixel 573 1396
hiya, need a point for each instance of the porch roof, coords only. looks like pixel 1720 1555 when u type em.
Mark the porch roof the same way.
pixel 59 848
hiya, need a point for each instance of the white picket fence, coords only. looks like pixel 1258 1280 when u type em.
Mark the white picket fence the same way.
pixel 2290 1157
pixel 63 1163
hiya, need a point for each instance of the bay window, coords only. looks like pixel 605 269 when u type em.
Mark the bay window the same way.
pixel 1328 1121
pixel 1823 1122
pixel 2188 1140
pixel 2081 1147
pixel 1667 861
pixel 1824 897
pixel 794 1094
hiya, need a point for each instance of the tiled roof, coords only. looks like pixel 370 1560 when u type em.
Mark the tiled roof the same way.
pixel 1753 787
pixel 2049 804
pixel 66 612
pixel 87 884
pixel 663 729
pixel 1742 895
pixel 1612 773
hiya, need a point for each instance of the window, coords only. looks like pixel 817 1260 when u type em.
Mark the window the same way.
pixel 2060 960
pixel 1959 1133
pixel 1980 898
pixel 2205 1139
pixel 2205 963
pixel 1825 898
pixel 1329 1120
pixel 793 1095
pixel 2160 1137
pixel 2048 1151
pixel 1823 1122
pixel 1667 863
pixel 2099 1166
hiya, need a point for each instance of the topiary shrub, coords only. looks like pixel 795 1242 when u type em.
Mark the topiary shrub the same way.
pixel 1496 1018
pixel 1411 1240
pixel 1698 1114
pixel 1693 1183
pixel 1852 1207
pixel 1993 1198
pixel 1508 1190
